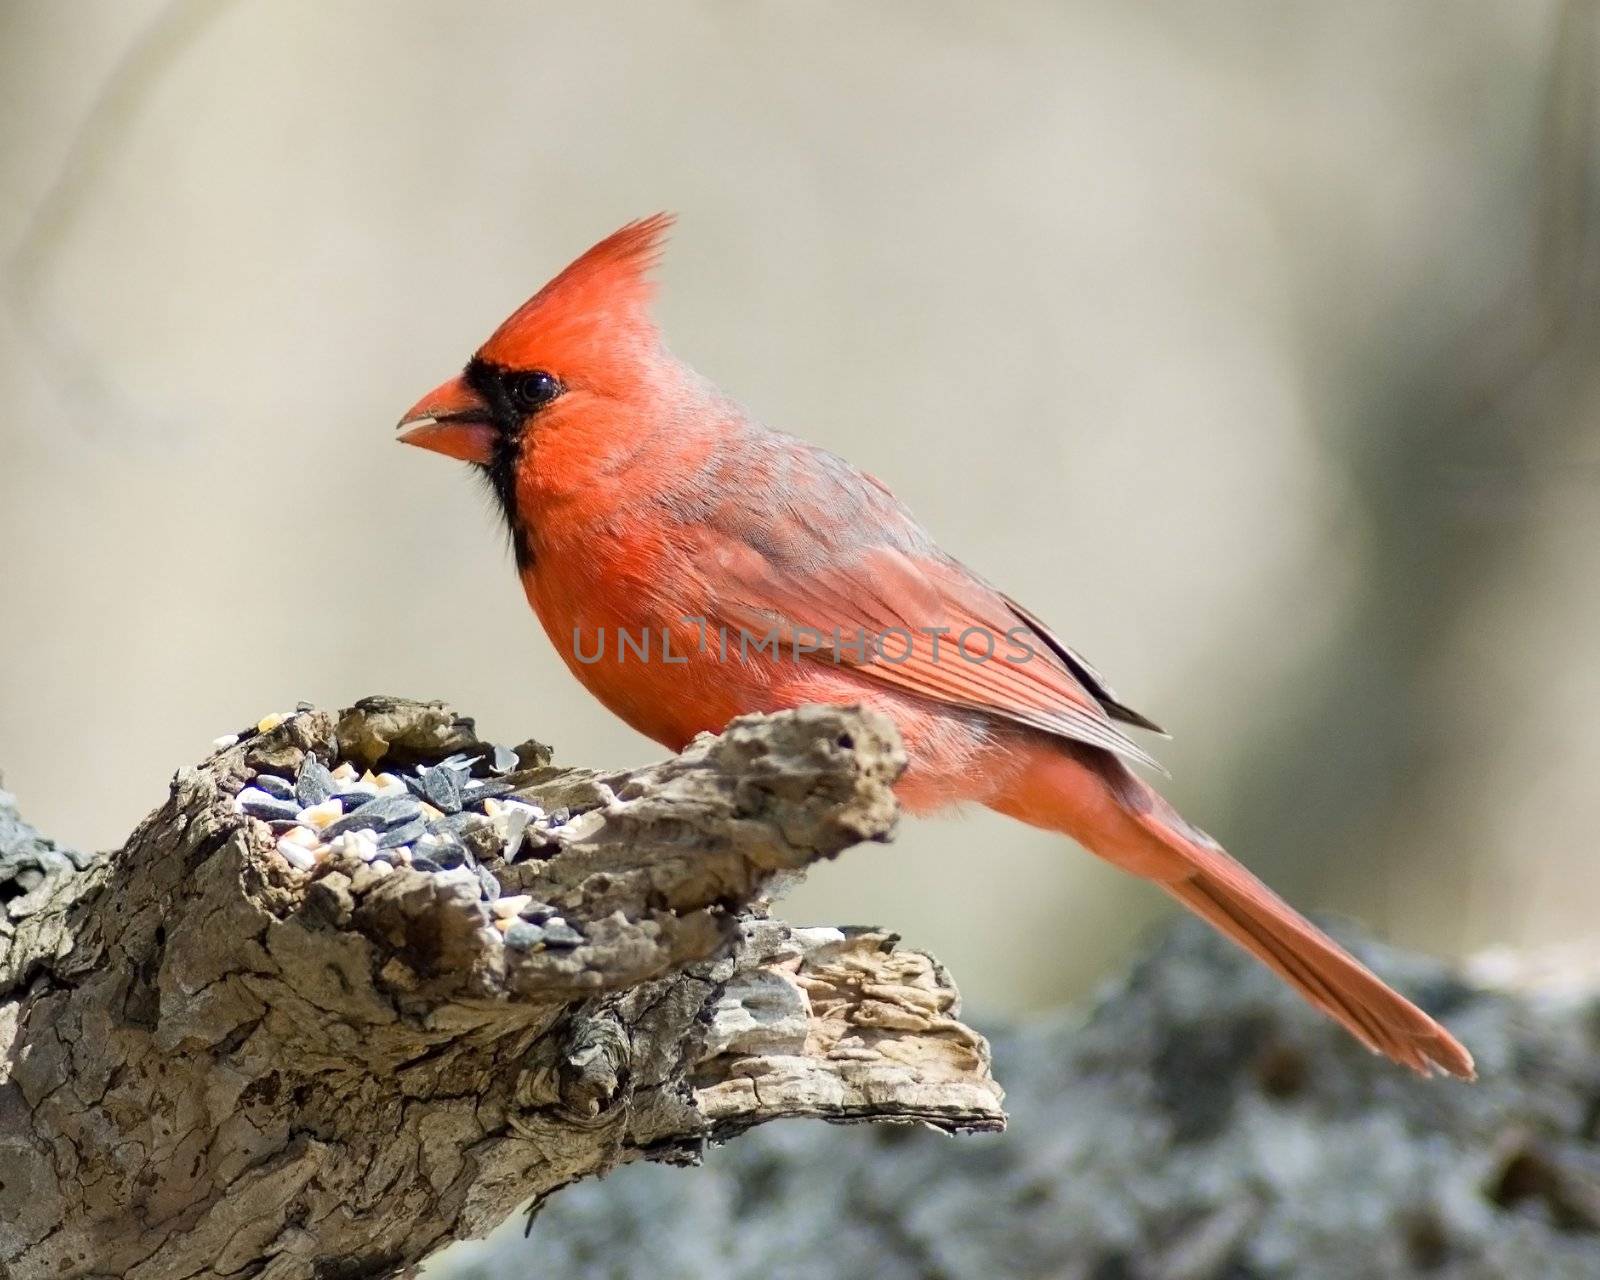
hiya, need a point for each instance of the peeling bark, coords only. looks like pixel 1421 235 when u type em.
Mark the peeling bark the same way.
pixel 214 1064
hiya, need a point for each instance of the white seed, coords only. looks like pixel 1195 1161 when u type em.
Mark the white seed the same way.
pixel 361 844
pixel 225 741
pixel 253 795
pixel 296 855
pixel 305 837
pixel 517 816
pixel 492 808
pixel 505 908
pixel 389 785
pixel 321 815
pixel 346 772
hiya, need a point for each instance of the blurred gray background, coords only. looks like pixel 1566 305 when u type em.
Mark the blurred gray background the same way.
pixel 1250 345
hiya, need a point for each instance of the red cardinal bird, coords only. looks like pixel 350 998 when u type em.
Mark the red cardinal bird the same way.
pixel 691 566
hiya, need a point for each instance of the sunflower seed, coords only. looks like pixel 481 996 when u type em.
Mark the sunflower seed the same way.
pixel 442 788
pixel 475 793
pixel 522 936
pixel 447 851
pixel 456 824
pixel 558 933
pixel 403 835
pixel 380 814
pixel 258 804
pixel 490 886
pixel 273 785
pixel 314 783
pixel 473 830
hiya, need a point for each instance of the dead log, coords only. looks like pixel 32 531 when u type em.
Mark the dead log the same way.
pixel 214 1062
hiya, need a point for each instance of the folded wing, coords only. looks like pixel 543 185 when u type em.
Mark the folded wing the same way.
pixel 922 624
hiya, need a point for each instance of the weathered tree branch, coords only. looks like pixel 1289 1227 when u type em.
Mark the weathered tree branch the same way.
pixel 216 1063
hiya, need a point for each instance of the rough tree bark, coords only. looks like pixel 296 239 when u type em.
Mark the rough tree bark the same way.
pixel 214 1064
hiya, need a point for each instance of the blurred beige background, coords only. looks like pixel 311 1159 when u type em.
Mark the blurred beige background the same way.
pixel 1251 345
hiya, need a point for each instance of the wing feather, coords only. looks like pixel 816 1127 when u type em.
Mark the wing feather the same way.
pixel 897 619
pixel 798 542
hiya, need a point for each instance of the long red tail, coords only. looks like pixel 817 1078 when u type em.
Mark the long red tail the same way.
pixel 1094 798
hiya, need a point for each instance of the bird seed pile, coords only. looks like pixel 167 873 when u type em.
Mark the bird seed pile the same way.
pixel 451 819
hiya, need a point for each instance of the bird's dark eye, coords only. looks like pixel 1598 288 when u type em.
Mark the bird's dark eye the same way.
pixel 529 391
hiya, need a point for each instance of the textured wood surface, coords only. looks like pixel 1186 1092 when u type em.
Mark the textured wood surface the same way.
pixel 215 1064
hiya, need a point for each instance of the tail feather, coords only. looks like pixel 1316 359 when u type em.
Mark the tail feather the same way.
pixel 1099 802
pixel 1327 976
pixel 1223 893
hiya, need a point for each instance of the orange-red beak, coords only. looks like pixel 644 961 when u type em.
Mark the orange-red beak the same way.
pixel 454 420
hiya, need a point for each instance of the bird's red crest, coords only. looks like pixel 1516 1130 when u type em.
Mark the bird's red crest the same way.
pixel 602 296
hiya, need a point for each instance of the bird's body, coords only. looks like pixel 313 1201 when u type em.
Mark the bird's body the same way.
pixel 691 565
pixel 654 598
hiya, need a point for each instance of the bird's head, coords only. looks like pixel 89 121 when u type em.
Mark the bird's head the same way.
pixel 581 351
